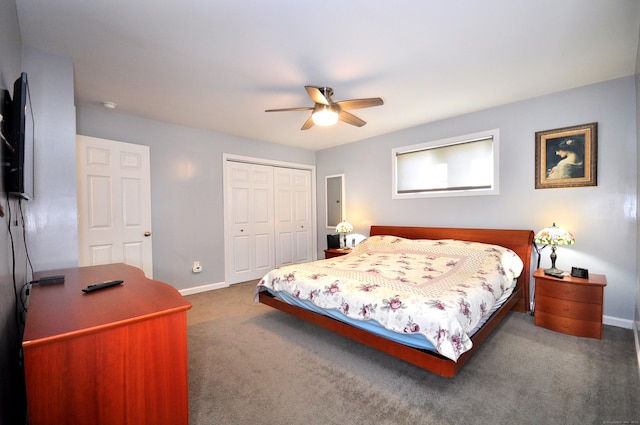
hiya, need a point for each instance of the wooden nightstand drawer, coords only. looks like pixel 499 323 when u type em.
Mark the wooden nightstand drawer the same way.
pixel 569 326
pixel 569 309
pixel 569 291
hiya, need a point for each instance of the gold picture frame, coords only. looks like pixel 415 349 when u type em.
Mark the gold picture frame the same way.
pixel 567 157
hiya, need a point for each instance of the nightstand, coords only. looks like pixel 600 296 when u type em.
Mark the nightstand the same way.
pixel 570 305
pixel 336 252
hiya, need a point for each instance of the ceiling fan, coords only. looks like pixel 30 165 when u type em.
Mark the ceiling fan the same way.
pixel 327 112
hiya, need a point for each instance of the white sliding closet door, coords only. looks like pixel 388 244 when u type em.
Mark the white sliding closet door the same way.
pixel 249 245
pixel 293 223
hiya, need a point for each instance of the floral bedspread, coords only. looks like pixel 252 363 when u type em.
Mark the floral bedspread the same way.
pixel 438 288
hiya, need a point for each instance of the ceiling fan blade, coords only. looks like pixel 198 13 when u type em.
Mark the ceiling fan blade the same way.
pixel 307 124
pixel 360 103
pixel 350 119
pixel 302 108
pixel 316 94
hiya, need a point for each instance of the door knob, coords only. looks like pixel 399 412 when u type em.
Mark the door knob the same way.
pixel 147 234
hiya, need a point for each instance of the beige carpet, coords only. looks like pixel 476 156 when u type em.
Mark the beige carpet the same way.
pixel 250 364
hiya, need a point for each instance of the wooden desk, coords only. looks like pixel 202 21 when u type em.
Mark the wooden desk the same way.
pixel 114 356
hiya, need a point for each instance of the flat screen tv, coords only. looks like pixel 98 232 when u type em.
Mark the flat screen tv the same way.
pixel 18 158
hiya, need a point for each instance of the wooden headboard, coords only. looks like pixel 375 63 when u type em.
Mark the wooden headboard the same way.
pixel 519 241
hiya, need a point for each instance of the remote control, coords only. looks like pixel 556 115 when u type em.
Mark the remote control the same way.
pixel 102 285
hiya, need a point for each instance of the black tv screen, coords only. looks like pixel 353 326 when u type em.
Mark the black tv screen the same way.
pixel 19 172
pixel 6 148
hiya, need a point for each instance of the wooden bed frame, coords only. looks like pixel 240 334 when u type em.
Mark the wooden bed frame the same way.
pixel 519 241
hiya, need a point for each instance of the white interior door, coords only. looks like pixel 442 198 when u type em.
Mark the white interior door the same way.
pixel 114 203
pixel 249 223
pixel 293 222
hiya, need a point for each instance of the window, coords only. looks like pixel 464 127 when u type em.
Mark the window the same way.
pixel 458 166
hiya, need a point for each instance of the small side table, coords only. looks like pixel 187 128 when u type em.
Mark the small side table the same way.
pixel 336 252
pixel 570 305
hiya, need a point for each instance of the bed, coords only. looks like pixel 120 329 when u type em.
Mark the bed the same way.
pixel 443 356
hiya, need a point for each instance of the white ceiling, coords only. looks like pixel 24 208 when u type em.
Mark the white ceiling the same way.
pixel 218 64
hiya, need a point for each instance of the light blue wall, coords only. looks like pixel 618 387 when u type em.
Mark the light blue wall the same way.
pixel 602 218
pixel 186 188
pixel 187 213
pixel 637 310
pixel 52 219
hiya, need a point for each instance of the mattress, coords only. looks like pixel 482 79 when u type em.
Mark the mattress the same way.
pixel 426 294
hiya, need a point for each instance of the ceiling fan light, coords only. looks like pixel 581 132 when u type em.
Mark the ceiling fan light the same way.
pixel 324 116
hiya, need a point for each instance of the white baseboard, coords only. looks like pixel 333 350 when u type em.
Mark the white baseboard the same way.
pixel 616 321
pixel 636 336
pixel 203 288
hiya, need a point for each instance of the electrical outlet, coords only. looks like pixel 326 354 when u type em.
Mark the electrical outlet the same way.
pixel 197 268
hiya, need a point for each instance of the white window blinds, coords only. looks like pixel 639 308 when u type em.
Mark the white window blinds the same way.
pixel 463 165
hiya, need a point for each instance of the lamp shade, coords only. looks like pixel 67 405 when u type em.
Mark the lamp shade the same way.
pixel 554 235
pixel 344 227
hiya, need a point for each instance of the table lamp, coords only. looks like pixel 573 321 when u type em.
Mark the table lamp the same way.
pixel 344 227
pixel 553 236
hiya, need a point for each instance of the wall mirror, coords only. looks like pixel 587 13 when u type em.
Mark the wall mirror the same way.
pixel 335 199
